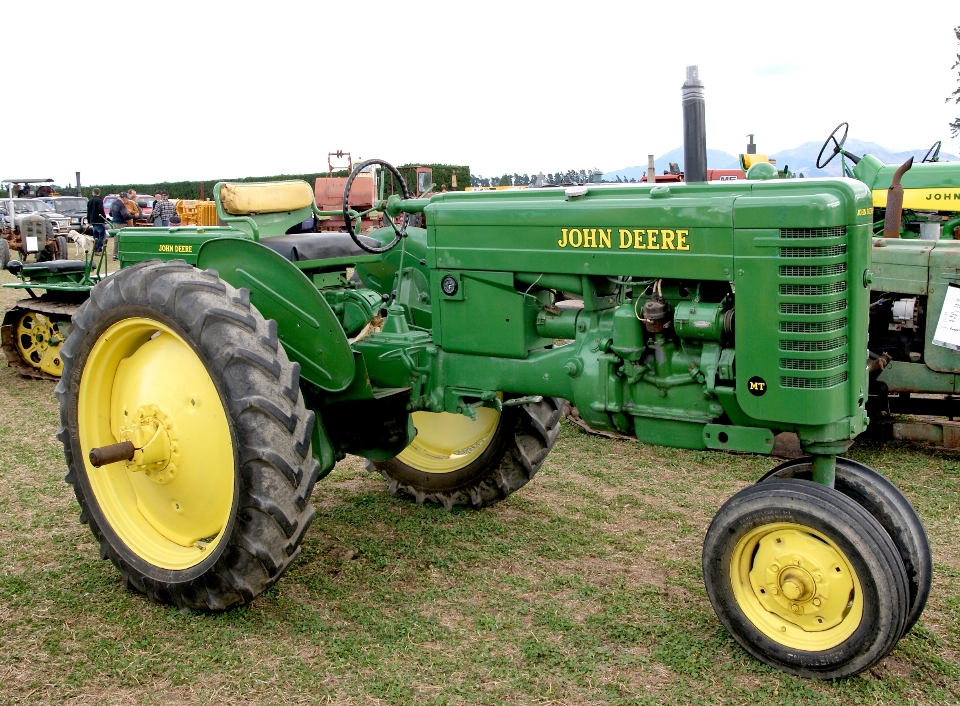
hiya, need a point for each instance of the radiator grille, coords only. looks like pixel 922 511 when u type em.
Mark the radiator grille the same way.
pixel 829 251
pixel 814 346
pixel 813 326
pixel 838 232
pixel 813 270
pixel 814 383
pixel 813 290
pixel 802 364
pixel 828 308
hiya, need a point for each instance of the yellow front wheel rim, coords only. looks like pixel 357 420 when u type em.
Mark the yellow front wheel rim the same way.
pixel 172 504
pixel 796 586
pixel 447 442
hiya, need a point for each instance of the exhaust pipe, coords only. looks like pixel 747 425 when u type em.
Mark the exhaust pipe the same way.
pixel 894 212
pixel 694 128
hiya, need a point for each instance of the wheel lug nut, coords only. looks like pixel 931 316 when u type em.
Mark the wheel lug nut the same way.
pixel 816 601
pixel 775 567
pixel 795 608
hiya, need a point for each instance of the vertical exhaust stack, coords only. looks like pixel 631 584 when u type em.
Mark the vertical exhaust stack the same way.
pixel 651 170
pixel 694 128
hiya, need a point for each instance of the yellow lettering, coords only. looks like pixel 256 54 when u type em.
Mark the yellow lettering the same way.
pixel 667 236
pixel 589 237
pixel 164 248
pixel 652 239
pixel 682 239
pixel 638 240
pixel 563 238
pixel 579 239
pixel 604 237
pixel 626 238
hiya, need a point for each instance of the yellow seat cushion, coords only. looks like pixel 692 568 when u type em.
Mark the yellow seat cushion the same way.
pixel 265 197
pixel 748 160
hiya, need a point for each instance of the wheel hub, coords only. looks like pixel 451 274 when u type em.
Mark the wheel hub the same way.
pixel 38 341
pixel 801 579
pixel 154 436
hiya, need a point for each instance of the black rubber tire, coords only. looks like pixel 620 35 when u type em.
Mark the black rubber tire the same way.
pixel 893 511
pixel 521 442
pixel 64 252
pixel 4 253
pixel 271 429
pixel 859 536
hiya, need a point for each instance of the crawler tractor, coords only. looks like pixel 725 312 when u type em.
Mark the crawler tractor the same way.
pixel 223 371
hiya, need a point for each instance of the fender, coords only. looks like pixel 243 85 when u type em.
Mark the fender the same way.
pixel 306 325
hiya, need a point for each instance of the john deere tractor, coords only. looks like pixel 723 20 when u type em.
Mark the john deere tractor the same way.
pixel 223 371
pixel 916 263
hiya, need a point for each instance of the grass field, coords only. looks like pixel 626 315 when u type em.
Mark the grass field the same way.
pixel 582 588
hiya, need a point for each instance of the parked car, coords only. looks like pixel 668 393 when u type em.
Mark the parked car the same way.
pixel 59 223
pixel 74 207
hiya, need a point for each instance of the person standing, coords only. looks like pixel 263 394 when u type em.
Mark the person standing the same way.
pixel 133 208
pixel 163 210
pixel 97 218
pixel 120 217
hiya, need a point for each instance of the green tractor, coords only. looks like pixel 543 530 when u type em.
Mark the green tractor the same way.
pixel 223 371
pixel 914 348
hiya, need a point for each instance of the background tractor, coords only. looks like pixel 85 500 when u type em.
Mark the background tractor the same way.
pixel 916 261
pixel 210 383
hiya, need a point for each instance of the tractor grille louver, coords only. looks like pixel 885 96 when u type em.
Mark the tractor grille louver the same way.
pixel 814 346
pixel 837 232
pixel 829 251
pixel 814 383
pixel 813 326
pixel 812 290
pixel 809 309
pixel 825 364
pixel 813 270
pixel 813 309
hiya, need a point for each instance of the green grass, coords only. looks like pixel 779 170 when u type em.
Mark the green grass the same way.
pixel 582 588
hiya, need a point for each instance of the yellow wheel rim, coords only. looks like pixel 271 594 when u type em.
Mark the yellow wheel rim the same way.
pixel 171 504
pixel 796 587
pixel 38 341
pixel 447 442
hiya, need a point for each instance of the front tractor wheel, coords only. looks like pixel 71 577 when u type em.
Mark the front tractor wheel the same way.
pixel 805 579
pixel 458 461
pixel 209 506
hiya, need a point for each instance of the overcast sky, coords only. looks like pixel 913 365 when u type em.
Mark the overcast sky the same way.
pixel 141 92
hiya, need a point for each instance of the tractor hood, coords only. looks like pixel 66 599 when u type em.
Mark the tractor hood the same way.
pixel 931 186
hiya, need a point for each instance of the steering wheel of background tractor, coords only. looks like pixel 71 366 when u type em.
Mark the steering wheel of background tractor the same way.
pixel 400 232
pixel 837 145
pixel 933 154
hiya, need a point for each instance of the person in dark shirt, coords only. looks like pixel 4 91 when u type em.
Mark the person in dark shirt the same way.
pixel 120 217
pixel 97 218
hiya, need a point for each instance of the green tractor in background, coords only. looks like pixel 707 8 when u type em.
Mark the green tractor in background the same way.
pixel 210 383
pixel 914 348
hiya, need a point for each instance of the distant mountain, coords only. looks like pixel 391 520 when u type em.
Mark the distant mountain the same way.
pixel 802 159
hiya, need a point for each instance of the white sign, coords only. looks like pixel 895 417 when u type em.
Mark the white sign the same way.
pixel 948 327
pixel 32 244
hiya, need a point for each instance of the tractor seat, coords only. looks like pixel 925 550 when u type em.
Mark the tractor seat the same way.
pixel 317 246
pixel 58 266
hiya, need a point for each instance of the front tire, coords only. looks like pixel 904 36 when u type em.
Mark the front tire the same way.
pixel 456 461
pixel 179 361
pixel 805 579
pixel 884 501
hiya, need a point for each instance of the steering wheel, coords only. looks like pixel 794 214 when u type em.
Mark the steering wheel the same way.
pixel 348 220
pixel 837 145
pixel 933 154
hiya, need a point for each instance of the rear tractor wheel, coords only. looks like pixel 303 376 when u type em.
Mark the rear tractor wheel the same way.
pixel 805 579
pixel 186 436
pixel 458 461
